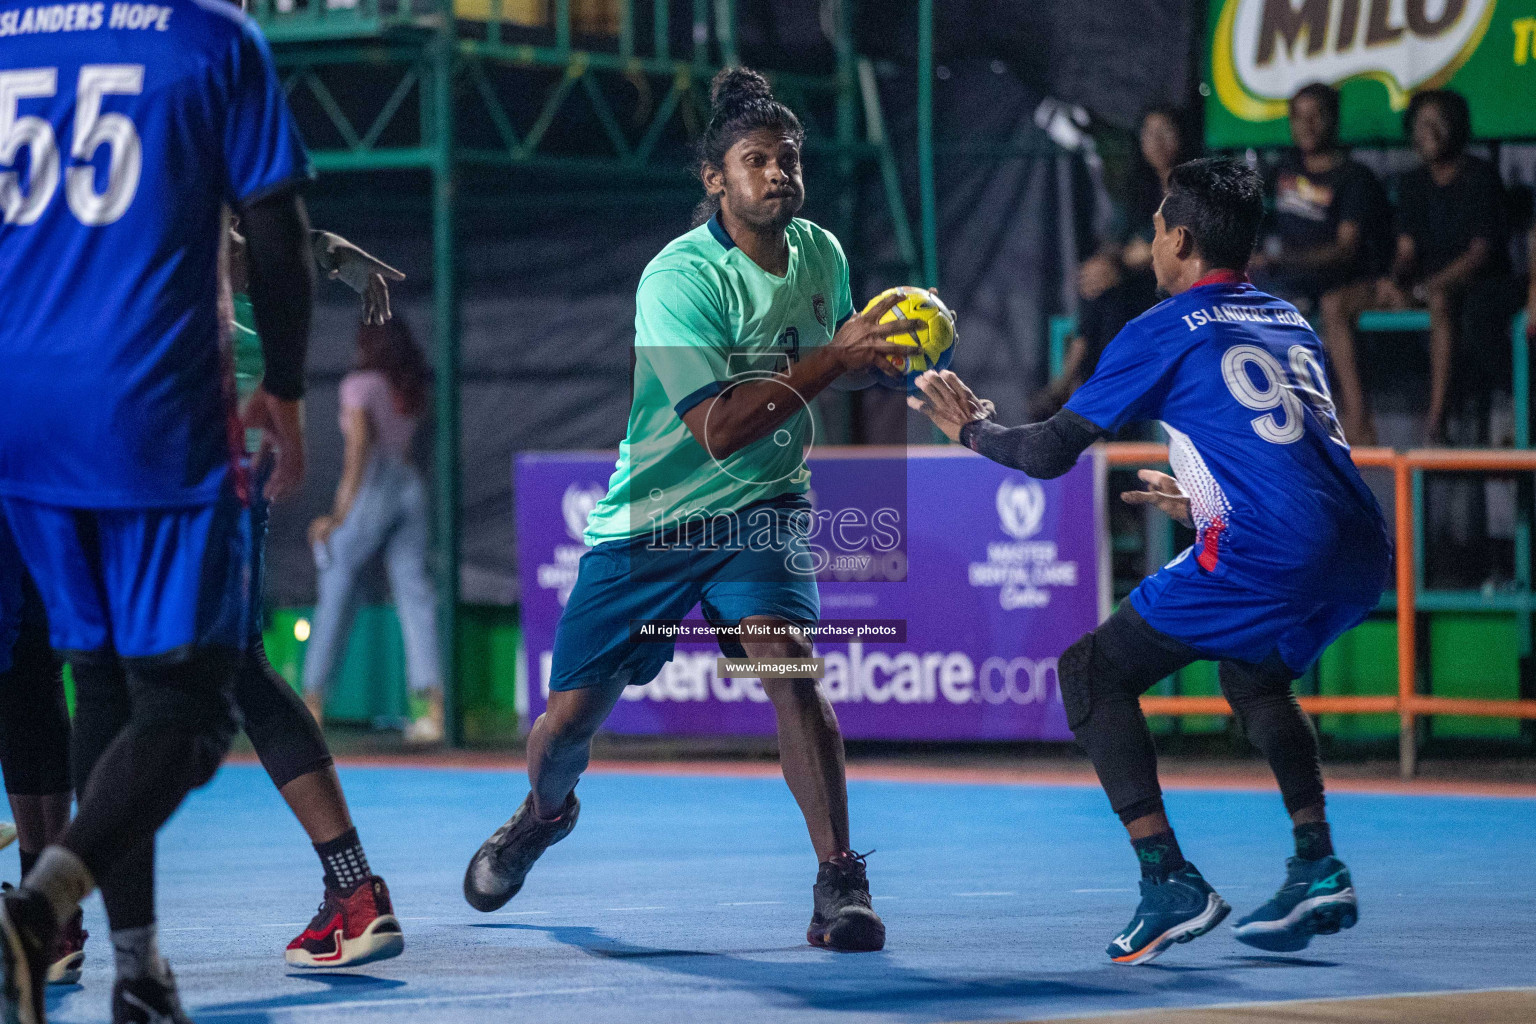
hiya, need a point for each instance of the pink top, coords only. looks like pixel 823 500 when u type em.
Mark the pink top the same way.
pixel 369 391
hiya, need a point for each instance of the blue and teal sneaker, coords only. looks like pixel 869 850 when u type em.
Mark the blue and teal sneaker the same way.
pixel 1316 899
pixel 1182 908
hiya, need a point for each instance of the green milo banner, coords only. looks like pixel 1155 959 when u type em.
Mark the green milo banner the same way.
pixel 1378 53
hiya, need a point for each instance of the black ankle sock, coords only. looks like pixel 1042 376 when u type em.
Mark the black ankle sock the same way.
pixel 28 860
pixel 344 861
pixel 1314 840
pixel 1159 855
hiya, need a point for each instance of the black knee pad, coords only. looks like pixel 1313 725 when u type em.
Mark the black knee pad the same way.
pixel 190 697
pixel 1120 660
pixel 1261 698
pixel 1074 673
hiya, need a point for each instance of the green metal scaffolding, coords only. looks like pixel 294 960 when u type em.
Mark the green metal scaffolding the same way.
pixel 359 63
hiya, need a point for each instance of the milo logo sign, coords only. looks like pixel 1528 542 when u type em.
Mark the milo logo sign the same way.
pixel 1379 51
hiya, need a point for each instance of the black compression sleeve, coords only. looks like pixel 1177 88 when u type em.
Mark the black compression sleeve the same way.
pixel 282 288
pixel 1041 450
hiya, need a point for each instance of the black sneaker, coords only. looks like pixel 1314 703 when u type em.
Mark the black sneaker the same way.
pixel 27 930
pixel 843 918
pixel 147 1001
pixel 496 871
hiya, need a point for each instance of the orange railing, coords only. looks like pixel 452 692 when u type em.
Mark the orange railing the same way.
pixel 1408 704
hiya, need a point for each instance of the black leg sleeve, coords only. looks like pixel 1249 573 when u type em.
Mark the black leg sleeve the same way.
pixel 1103 676
pixel 179 724
pixel 1265 707
pixel 34 721
pixel 281 728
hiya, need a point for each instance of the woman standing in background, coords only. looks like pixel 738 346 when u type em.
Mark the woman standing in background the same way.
pixel 381 504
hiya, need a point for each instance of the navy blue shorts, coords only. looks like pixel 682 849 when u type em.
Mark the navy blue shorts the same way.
pixel 142 583
pixel 1226 620
pixel 627 581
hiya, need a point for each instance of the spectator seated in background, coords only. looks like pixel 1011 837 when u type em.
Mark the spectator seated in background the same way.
pixel 1330 239
pixel 1530 299
pixel 1453 258
pixel 1116 283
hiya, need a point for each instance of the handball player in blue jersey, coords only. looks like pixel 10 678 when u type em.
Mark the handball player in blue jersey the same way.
pixel 1291 549
pixel 126 131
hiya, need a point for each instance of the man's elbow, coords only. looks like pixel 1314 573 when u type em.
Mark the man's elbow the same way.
pixel 1049 468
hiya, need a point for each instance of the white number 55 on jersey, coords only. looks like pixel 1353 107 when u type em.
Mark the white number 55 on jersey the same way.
pixel 93 129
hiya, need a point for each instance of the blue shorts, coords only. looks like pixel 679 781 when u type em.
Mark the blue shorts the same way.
pixel 140 583
pixel 625 581
pixel 1226 620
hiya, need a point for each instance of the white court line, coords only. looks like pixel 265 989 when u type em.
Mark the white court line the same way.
pixel 609 910
pixel 1260 1003
pixel 983 894
pixel 753 903
pixel 375 1004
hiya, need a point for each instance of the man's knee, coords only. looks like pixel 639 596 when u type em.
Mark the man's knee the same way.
pixel 799 698
pixel 1263 704
pixel 1074 672
pixel 189 701
pixel 571 719
pixel 1090 674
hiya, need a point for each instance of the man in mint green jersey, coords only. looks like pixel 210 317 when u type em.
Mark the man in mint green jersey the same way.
pixel 739 323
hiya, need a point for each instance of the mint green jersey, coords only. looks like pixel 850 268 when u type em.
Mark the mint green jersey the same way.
pixel 705 316
pixel 250 363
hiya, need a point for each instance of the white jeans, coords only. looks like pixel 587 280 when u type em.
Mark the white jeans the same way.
pixel 390 512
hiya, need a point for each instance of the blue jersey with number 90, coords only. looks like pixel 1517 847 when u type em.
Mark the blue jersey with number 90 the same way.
pixel 1237 378
pixel 125 128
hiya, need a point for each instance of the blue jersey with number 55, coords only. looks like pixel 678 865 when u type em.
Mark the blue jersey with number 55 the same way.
pixel 1237 378
pixel 125 128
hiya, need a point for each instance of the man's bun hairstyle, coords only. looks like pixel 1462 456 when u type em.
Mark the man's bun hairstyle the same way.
pixel 1220 202
pixel 740 102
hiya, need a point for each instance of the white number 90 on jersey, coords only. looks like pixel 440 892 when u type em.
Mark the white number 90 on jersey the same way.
pixel 1278 389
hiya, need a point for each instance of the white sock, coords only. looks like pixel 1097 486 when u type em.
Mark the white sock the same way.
pixel 63 878
pixel 137 953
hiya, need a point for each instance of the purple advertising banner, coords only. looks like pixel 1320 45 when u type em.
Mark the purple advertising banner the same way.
pixel 995 575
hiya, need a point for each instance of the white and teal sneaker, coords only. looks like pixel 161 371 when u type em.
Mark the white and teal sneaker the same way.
pixel 1317 899
pixel 1182 908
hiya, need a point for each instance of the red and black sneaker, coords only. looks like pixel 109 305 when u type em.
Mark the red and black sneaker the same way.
pixel 68 952
pixel 354 927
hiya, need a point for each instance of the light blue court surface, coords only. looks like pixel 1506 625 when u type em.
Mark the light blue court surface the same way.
pixel 685 899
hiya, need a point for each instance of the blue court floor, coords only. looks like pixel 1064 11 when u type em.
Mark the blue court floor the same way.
pixel 685 899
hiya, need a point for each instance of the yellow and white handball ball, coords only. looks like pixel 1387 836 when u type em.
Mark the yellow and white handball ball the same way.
pixel 931 337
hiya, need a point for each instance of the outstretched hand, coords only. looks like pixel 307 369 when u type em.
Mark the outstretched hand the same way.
pixel 340 260
pixel 948 402
pixel 1164 494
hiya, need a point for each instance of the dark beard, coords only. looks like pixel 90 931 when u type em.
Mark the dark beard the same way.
pixel 762 221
